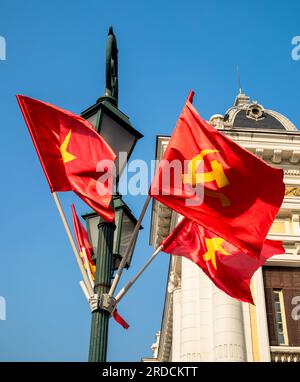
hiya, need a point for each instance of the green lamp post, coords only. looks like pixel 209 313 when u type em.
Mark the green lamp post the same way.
pixel 106 263
pixel 115 127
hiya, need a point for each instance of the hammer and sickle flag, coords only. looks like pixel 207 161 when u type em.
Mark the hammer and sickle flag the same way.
pixel 229 269
pixel 69 150
pixel 241 193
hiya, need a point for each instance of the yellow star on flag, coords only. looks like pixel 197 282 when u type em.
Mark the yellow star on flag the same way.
pixel 213 245
pixel 66 156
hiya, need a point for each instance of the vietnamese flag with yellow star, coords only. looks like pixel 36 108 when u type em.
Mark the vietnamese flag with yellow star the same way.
pixel 230 269
pixel 82 239
pixel 220 185
pixel 73 155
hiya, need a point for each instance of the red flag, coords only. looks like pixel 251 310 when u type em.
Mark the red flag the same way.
pixel 73 155
pixel 242 193
pixel 228 268
pixel 119 319
pixel 83 241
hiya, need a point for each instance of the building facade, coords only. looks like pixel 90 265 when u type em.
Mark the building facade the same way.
pixel 202 323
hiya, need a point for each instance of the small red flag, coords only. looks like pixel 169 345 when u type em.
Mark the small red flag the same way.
pixel 242 193
pixel 73 155
pixel 119 319
pixel 228 268
pixel 83 241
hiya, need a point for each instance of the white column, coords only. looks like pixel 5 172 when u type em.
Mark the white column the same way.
pixel 205 307
pixel 190 312
pixel 176 324
pixel 229 342
pixel 247 331
pixel 196 324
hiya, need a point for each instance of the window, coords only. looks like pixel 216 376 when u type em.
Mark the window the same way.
pixel 282 284
pixel 280 319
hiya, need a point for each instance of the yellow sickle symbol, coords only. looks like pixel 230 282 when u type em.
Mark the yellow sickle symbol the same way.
pixel 217 173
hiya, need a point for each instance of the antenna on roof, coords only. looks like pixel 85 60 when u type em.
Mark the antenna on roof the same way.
pixel 239 79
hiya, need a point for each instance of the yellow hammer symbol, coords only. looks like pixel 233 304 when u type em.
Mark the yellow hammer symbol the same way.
pixel 66 156
pixel 213 245
pixel 217 173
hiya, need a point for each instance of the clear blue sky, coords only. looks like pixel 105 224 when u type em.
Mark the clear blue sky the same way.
pixel 55 52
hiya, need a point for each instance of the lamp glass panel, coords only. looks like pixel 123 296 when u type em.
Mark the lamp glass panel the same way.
pixel 118 214
pixel 93 119
pixel 93 227
pixel 119 139
pixel 126 234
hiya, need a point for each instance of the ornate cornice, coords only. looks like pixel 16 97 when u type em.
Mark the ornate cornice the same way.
pixel 292 172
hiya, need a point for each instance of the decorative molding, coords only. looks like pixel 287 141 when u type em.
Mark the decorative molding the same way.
pixel 155 346
pixel 166 332
pixel 284 120
pixel 191 357
pixel 292 172
pixel 229 352
pixel 165 341
pixel 277 156
pixel 284 260
pixel 295 157
pixel 259 152
pixel 174 282
pixel 292 191
pixel 285 354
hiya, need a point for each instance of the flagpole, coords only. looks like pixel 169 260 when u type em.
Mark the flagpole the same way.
pixel 67 228
pixel 130 245
pixel 124 290
pixel 84 290
pixel 88 269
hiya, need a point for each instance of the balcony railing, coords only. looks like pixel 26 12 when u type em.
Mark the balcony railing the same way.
pixel 285 354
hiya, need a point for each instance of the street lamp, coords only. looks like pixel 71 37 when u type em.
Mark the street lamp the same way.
pixel 125 223
pixel 109 239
